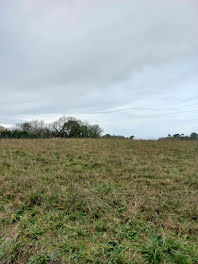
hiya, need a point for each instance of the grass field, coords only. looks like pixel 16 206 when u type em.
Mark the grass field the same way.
pixel 98 201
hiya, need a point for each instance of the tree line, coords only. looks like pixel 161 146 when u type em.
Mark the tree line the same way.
pixel 117 136
pixel 193 136
pixel 65 127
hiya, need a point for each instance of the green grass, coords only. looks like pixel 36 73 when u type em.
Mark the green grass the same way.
pixel 98 201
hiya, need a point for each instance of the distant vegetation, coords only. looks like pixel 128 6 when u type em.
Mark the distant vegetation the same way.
pixel 69 127
pixel 117 137
pixel 193 136
pixel 66 127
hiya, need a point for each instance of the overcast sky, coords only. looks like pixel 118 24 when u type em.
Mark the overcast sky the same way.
pixel 130 66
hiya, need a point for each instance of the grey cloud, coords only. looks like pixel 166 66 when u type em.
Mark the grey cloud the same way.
pixel 91 56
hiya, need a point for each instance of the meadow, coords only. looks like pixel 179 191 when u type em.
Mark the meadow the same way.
pixel 98 201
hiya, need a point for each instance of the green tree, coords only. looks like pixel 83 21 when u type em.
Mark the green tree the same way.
pixel 194 135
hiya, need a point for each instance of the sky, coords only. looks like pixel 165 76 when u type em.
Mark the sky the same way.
pixel 129 66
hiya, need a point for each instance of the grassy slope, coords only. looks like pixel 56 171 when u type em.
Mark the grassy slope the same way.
pixel 98 201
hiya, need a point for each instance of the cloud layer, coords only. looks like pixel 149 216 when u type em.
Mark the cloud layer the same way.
pixel 125 64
